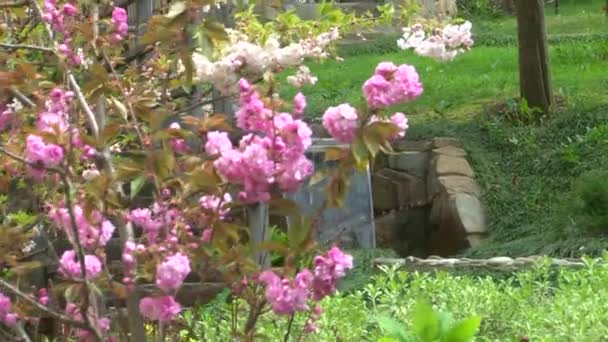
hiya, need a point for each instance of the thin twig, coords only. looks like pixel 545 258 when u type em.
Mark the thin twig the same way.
pixel 21 332
pixel 38 306
pixel 289 325
pixel 28 163
pixel 202 103
pixel 26 47
pixel 22 98
pixel 12 4
pixel 83 103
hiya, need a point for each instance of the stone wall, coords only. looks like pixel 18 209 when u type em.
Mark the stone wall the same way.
pixel 426 199
pixel 501 264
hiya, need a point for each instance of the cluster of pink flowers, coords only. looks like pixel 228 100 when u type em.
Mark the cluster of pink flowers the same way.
pixel 93 231
pixel 442 44
pixel 341 122
pixel 43 296
pixel 69 265
pixel 53 120
pixel 398 119
pixel 6 316
pixel 159 223
pixel 178 145
pixel 244 57
pixel 328 269
pixel 276 156
pixel 163 309
pixel 102 324
pixel 61 20
pixel 7 113
pixel 299 105
pixel 41 155
pixel 391 85
pixel 287 296
pixel 213 204
pixel 302 77
pixel 170 274
pixel 129 261
pixel 119 21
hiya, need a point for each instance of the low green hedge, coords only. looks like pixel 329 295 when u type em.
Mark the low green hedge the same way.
pixel 541 304
pixel 388 43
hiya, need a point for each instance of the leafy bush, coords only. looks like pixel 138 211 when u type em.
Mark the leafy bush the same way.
pixel 478 7
pixel 540 304
pixel 591 200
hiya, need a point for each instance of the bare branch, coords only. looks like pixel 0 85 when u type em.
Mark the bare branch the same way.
pixel 38 306
pixel 26 47
pixel 28 163
pixel 83 102
pixel 13 3
pixel 22 98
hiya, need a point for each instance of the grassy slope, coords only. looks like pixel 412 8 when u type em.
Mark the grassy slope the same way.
pixel 526 171
pixel 575 17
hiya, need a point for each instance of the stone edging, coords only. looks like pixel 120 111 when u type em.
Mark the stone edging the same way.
pixel 495 264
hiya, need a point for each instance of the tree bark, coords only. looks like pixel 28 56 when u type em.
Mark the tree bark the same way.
pixel 534 74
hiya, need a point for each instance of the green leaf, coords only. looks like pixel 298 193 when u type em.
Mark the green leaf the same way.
pixel 334 153
pixel 120 107
pixel 136 186
pixel 299 231
pixel 388 339
pixel 318 177
pixel 360 152
pixel 283 207
pixel 393 328
pixel 176 9
pixel 463 331
pixel 164 163
pixel 426 322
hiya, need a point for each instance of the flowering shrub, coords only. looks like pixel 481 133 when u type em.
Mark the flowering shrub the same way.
pixel 440 44
pixel 94 133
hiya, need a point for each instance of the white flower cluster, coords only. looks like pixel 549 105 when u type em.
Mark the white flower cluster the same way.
pixel 442 44
pixel 302 77
pixel 245 58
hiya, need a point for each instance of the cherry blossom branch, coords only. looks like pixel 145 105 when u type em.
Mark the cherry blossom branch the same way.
pixel 83 103
pixel 14 3
pixel 22 98
pixel 28 163
pixel 26 47
pixel 38 306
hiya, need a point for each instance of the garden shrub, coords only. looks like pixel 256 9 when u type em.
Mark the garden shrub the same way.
pixel 590 204
pixel 539 304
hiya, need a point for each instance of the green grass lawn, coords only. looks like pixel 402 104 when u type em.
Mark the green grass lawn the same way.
pixel 526 171
pixel 575 17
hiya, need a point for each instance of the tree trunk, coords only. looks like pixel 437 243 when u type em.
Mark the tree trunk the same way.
pixel 534 75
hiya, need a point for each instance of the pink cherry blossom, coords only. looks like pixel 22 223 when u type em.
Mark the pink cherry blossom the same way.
pixel 341 122
pixel 329 268
pixel 70 267
pixel 285 296
pixel 299 105
pixel 119 20
pixel 391 85
pixel 162 309
pixel 151 225
pixel 6 316
pixel 441 44
pixel 93 231
pixel 217 143
pixel 170 274
pixel 101 323
pixel 42 155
